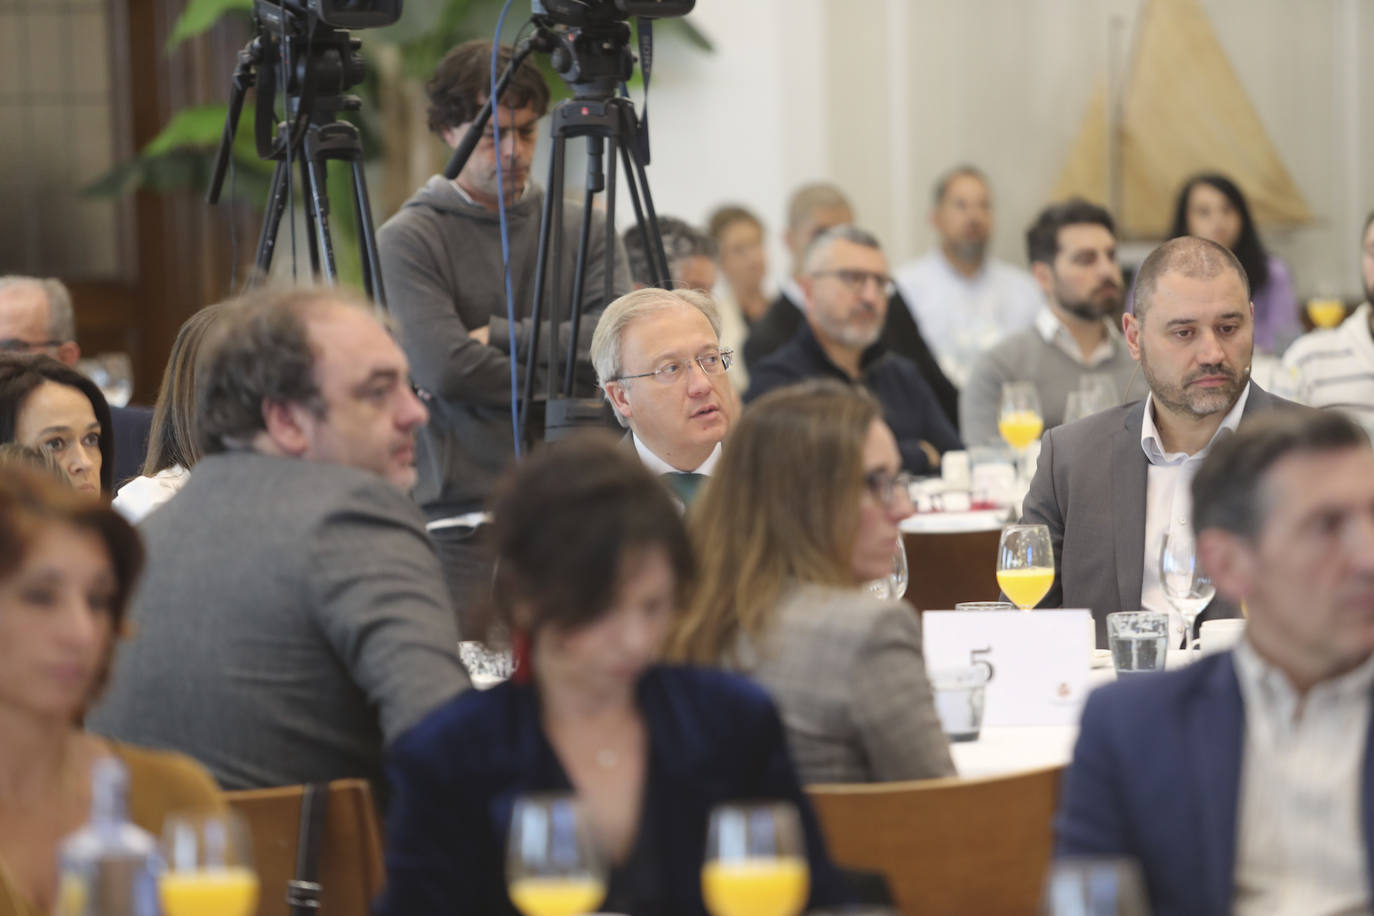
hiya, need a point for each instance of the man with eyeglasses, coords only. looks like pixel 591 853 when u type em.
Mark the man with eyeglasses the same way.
pixel 658 359
pixel 846 286
pixel 36 316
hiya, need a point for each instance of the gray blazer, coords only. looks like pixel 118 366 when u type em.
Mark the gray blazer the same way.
pixel 1090 488
pixel 292 621
pixel 847 673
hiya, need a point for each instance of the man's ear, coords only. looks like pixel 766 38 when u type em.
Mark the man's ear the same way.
pixel 807 284
pixel 619 399
pixel 68 352
pixel 1130 329
pixel 1230 562
pixel 1044 276
pixel 288 427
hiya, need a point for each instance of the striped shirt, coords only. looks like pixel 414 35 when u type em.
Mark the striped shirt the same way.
pixel 1335 368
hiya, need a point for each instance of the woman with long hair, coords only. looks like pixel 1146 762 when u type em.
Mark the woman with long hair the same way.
pixel 52 407
pixel 592 564
pixel 67 567
pixel 1212 207
pixel 803 509
pixel 173 446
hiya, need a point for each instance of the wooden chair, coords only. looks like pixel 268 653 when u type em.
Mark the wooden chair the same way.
pixel 950 567
pixel 350 870
pixel 947 846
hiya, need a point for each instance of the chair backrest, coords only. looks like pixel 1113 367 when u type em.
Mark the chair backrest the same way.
pixel 948 846
pixel 350 870
pixel 947 568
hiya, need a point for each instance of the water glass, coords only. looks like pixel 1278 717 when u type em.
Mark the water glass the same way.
pixel 959 695
pixel 1186 584
pixel 1139 641
pixel 893 586
pixel 1094 886
pixel 985 606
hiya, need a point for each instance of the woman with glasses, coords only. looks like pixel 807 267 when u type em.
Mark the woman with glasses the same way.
pixel 53 408
pixel 802 510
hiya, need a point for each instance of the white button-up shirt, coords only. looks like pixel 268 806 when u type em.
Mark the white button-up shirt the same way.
pixel 658 466
pixel 1299 843
pixel 1053 332
pixel 1169 501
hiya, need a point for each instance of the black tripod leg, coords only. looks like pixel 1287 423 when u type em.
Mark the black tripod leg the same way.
pixel 648 231
pixel 307 185
pixel 608 290
pixel 318 164
pixel 372 261
pixel 271 221
pixel 556 273
pixel 595 182
pixel 648 216
pixel 540 273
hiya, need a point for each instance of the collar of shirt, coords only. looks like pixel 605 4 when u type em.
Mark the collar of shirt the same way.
pixel 1054 333
pixel 867 360
pixel 793 291
pixel 1153 446
pixel 658 466
pixel 1273 695
pixel 938 253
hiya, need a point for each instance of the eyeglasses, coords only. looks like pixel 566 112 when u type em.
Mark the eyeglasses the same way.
pixel 889 489
pixel 711 364
pixel 19 345
pixel 856 281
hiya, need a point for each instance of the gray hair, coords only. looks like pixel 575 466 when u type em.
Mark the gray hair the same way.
pixel 610 327
pixel 820 246
pixel 61 318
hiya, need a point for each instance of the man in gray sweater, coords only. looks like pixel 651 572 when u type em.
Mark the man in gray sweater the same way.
pixel 1072 253
pixel 442 263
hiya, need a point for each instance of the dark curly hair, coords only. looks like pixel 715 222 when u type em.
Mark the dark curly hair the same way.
pixel 462 80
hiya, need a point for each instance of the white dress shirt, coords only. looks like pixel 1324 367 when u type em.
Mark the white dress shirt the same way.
pixel 1300 847
pixel 1169 502
pixel 659 467
pixel 961 316
pixel 1054 333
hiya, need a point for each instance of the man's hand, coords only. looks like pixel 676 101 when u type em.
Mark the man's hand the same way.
pixel 482 335
pixel 931 453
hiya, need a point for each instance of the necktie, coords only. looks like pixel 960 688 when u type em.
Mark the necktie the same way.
pixel 684 484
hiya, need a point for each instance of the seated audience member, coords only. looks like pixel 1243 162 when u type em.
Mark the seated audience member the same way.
pixel 846 286
pixel 1112 485
pixel 172 446
pixel 48 406
pixel 743 268
pixel 1210 206
pixel 441 255
pixel 1240 783
pixel 1072 250
pixel 781 592
pixel 592 563
pixel 67 566
pixel 36 316
pixel 662 367
pixel 812 210
pixel 294 619
pixel 964 299
pixel 691 255
pixel 1335 368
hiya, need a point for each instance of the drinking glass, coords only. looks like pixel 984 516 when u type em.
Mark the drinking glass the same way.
pixel 755 861
pixel 959 695
pixel 553 867
pixel 1025 564
pixel 1094 886
pixel 209 866
pixel 1020 420
pixel 1185 583
pixel 893 585
pixel 1139 641
pixel 113 374
pixel 1326 313
pixel 1098 390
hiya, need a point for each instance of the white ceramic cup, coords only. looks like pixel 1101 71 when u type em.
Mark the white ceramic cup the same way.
pixel 955 469
pixel 1220 635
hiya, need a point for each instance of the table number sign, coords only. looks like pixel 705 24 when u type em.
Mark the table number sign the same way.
pixel 1039 660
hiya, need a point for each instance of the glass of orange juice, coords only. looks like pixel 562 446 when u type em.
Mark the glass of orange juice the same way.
pixel 1020 420
pixel 1325 312
pixel 1025 564
pixel 553 867
pixel 755 861
pixel 209 866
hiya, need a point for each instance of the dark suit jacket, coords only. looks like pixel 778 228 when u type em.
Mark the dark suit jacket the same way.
pixel 901 335
pixel 1156 776
pixel 131 426
pixel 713 738
pixel 1089 488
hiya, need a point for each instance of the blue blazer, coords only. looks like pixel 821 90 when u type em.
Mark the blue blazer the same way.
pixel 1156 776
pixel 713 737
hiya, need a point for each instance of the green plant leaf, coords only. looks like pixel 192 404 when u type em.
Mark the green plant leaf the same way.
pixel 198 126
pixel 200 15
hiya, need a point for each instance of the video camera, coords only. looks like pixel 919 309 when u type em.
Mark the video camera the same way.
pixel 600 12
pixel 337 14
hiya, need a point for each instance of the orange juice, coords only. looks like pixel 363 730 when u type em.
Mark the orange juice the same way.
pixel 1025 587
pixel 209 892
pixel 1020 427
pixel 1326 313
pixel 755 887
pixel 557 896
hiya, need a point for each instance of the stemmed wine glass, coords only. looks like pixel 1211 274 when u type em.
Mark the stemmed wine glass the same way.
pixel 1094 886
pixel 893 585
pixel 1185 583
pixel 209 866
pixel 1025 564
pixel 755 861
pixel 1020 420
pixel 553 867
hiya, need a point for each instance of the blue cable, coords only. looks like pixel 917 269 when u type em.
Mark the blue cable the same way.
pixel 505 239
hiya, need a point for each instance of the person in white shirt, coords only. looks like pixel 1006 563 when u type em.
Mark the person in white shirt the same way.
pixel 1241 782
pixel 1335 368
pixel 963 300
pixel 660 363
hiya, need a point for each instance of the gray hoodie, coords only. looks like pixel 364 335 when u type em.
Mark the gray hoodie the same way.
pixel 441 262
